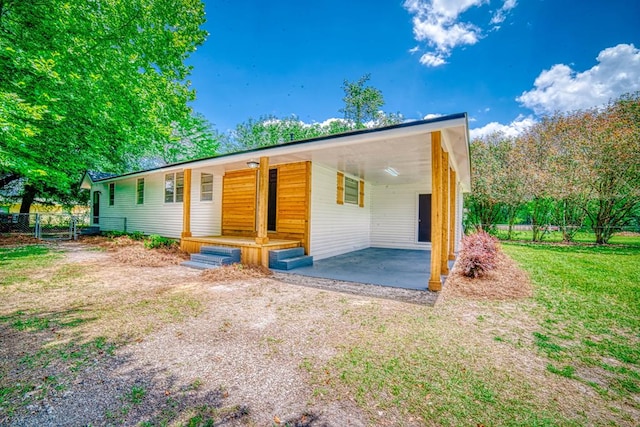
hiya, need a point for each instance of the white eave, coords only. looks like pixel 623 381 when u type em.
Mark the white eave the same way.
pixel 405 148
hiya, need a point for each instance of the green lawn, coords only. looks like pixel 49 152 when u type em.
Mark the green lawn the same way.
pixel 589 312
pixel 568 356
pixel 580 237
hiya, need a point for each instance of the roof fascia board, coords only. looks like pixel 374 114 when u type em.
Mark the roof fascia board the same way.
pixel 309 145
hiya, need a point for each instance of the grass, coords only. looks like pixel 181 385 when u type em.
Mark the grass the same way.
pixel 567 356
pixel 58 317
pixel 585 320
pixel 589 312
pixel 580 237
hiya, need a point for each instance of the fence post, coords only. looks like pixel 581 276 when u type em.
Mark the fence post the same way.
pixel 37 227
pixel 125 224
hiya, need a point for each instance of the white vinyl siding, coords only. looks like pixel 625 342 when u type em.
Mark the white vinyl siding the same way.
pixel 335 228
pixel 152 217
pixel 206 215
pixel 394 215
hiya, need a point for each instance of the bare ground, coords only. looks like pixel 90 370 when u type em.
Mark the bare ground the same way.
pixel 239 346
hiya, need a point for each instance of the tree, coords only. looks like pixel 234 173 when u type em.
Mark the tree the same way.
pixel 91 85
pixel 361 103
pixel 270 130
pixel 607 145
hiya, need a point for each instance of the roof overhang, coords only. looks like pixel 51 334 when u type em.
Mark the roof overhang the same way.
pixel 366 154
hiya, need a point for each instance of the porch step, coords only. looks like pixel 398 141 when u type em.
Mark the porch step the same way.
pixel 287 259
pixel 281 254
pixel 199 265
pixel 213 257
pixel 222 250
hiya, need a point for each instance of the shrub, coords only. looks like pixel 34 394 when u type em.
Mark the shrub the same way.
pixel 478 254
pixel 137 235
pixel 155 241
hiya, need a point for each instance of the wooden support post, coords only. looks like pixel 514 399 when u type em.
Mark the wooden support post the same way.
pixel 452 214
pixel 186 204
pixel 445 213
pixel 435 282
pixel 263 203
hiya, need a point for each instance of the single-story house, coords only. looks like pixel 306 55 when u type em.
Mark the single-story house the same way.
pixel 399 186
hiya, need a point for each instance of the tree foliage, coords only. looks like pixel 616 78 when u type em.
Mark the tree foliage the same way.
pixel 569 170
pixel 361 103
pixel 91 84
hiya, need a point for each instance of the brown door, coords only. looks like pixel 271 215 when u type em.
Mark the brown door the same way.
pixel 424 218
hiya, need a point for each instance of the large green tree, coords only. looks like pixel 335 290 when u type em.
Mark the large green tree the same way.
pixel 91 84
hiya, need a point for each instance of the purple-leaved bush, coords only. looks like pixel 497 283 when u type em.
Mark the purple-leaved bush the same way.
pixel 478 254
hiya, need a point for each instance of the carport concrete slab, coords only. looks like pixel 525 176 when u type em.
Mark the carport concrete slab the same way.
pixel 399 268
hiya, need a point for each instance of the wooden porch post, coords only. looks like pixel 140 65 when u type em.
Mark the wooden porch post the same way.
pixel 186 204
pixel 445 213
pixel 452 214
pixel 263 202
pixel 435 284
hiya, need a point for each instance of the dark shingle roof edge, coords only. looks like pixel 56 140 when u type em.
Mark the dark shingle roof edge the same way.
pixel 300 142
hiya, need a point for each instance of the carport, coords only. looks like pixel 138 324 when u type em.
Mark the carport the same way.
pixel 398 268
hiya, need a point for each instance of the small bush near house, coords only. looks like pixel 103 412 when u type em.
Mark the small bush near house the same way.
pixel 155 241
pixel 479 254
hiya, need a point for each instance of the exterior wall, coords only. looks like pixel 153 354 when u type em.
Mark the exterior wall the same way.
pixel 394 215
pixel 206 216
pixel 239 203
pixel 336 229
pixel 154 216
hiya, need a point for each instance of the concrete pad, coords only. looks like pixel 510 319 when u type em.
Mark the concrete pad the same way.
pixel 399 268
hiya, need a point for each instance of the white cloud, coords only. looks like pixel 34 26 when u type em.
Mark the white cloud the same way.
pixel 414 49
pixel 562 89
pixel 437 23
pixel 432 116
pixel 431 60
pixel 515 128
pixel 501 14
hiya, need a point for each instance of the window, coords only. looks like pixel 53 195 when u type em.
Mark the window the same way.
pixel 206 187
pixel 140 191
pixel 112 193
pixel 350 190
pixel 174 187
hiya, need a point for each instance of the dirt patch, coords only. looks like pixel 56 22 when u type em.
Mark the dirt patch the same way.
pixel 507 281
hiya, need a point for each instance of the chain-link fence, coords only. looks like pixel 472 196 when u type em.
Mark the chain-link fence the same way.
pixel 59 226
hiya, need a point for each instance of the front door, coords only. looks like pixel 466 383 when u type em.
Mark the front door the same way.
pixel 272 210
pixel 96 207
pixel 424 217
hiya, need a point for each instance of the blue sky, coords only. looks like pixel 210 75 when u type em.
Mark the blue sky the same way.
pixel 505 62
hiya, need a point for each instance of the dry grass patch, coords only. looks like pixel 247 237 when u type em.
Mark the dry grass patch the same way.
pixel 507 281
pixel 235 272
pixel 17 239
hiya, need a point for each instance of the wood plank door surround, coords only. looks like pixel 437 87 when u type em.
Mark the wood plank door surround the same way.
pixel 424 217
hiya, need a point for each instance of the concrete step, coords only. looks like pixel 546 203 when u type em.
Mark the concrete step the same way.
pixel 291 263
pixel 280 254
pixel 199 265
pixel 222 250
pixel 212 259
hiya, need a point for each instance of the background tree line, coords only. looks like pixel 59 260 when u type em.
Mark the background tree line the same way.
pixel 575 170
